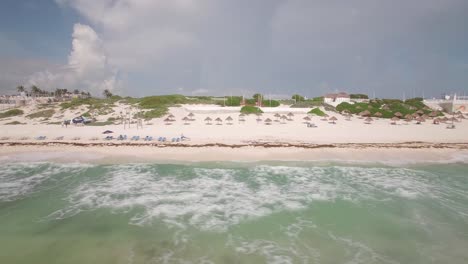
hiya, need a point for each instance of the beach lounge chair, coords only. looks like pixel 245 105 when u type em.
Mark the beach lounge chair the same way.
pixel 135 138
pixel 122 137
pixel 59 138
pixel 41 138
pixel 148 138
pixel 109 138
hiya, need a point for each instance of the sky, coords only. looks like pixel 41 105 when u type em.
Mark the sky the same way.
pixel 392 49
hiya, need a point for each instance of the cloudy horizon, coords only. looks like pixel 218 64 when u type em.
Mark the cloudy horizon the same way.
pixel 208 47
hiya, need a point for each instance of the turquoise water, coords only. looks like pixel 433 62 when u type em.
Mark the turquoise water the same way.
pixel 233 213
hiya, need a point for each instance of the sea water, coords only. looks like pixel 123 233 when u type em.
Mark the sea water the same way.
pixel 281 212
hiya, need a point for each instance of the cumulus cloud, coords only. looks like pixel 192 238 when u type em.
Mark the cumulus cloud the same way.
pixel 310 47
pixel 87 68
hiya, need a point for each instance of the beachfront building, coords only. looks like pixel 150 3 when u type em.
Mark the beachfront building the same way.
pixel 336 98
pixel 449 103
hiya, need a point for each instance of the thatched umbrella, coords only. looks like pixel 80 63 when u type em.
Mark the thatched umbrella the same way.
pixel 170 116
pixel 268 121
pixel 277 116
pixel 208 120
pixel 378 114
pixel 168 121
pixel 348 117
pixel 307 118
pixel 186 120
pixel 333 119
pixel 398 114
pixel 433 114
pixel 191 115
pixel 229 120
pixel 394 120
pixel 420 112
pixel 368 120
pixel 290 114
pixel 219 121
pixel 408 116
pixel 283 117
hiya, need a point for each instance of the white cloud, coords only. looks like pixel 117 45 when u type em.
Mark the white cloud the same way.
pixel 271 46
pixel 87 68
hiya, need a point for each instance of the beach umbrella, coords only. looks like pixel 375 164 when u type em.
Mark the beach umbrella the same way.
pixel 170 116
pixel 425 116
pixel 420 112
pixel 398 114
pixel 229 120
pixel 368 120
pixel 241 115
pixel 333 119
pixel 307 118
pixel 290 114
pixel 277 116
pixel 219 120
pixel 409 117
pixel 186 120
pixel 394 120
pixel 107 132
pixel 433 114
pixel 378 114
pixel 208 120
pixel 168 121
pixel 268 121
pixel 415 115
pixel 191 115
pixel 282 118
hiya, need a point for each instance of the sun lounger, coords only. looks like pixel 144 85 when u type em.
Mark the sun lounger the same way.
pixel 41 138
pixel 59 138
pixel 135 138
pixel 148 138
pixel 109 138
pixel 122 137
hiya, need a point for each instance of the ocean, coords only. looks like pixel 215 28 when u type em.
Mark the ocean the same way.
pixel 228 212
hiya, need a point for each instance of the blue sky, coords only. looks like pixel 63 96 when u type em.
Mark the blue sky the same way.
pixel 143 47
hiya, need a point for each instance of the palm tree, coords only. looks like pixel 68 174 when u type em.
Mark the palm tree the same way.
pixel 20 89
pixel 107 93
pixel 35 90
pixel 76 91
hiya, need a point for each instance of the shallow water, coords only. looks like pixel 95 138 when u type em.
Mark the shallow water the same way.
pixel 285 212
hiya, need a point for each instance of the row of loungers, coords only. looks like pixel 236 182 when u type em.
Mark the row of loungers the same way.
pixel 147 138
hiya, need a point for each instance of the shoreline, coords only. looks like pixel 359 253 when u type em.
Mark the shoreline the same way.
pixel 105 153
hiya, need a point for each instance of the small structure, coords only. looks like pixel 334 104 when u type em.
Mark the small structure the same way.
pixel 336 98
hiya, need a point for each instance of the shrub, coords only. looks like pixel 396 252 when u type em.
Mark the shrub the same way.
pixel 12 112
pixel 270 103
pixel 151 102
pixel 250 110
pixel 155 113
pixel 317 111
pixel 359 96
pixel 44 114
pixel 15 123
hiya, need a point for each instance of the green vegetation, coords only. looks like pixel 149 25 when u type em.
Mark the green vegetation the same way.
pixel 248 109
pixel 15 123
pixel 359 96
pixel 92 103
pixel 270 103
pixel 316 111
pixel 42 114
pixel 155 113
pixel 158 101
pixel 387 107
pixel 12 112
pixel 298 98
pixel 233 101
pixel 307 104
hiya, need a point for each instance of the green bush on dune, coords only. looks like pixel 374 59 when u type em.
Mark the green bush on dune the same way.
pixel 250 110
pixel 42 114
pixel 316 111
pixel 12 112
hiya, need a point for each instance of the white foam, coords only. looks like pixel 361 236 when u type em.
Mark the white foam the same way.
pixel 215 199
pixel 18 180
